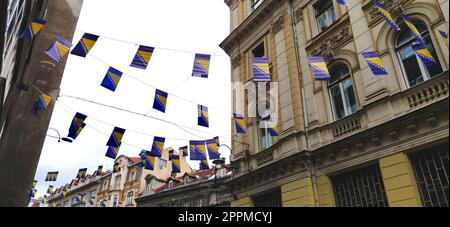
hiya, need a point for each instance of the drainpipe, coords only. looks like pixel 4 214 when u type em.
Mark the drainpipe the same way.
pixel 308 154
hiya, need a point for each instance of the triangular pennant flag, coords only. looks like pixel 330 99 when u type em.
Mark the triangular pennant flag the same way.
pixel 50 189
pixel 112 79
pixel 41 104
pixel 343 2
pixel 261 70
pixel 184 151
pixel 160 101
pixel 77 125
pixel 33 29
pixel 213 149
pixel 319 68
pixel 240 124
pixel 387 15
pixel 413 29
pixel 59 49
pixel 157 147
pixel 92 200
pixel 444 35
pixel 197 150
pixel 424 54
pixel 35 182
pixel 375 63
pixel 82 173
pixel 85 45
pixel 203 116
pixel 201 65
pixel 116 137
pixel 142 57
pixel 272 128
pixel 116 167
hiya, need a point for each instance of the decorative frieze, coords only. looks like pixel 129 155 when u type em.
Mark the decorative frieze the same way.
pixel 278 25
pixel 327 47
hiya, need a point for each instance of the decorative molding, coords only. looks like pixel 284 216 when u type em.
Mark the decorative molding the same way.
pixel 327 47
pixel 278 25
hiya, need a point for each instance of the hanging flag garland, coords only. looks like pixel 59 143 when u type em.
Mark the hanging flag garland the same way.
pixel 82 173
pixel 261 70
pixel 204 164
pixel 116 167
pixel 76 126
pixel 197 150
pixel 240 124
pixel 213 149
pixel 375 63
pixel 142 57
pixel 41 104
pixel 112 152
pixel 203 116
pixel 33 29
pixel 424 55
pixel 319 68
pixel 148 161
pixel 157 147
pixel 176 164
pixel 201 65
pixel 85 45
pixel 59 49
pixel 116 137
pixel 413 29
pixel 51 176
pixel 50 189
pixel 112 79
pixel 185 151
pixel 387 16
pixel 160 102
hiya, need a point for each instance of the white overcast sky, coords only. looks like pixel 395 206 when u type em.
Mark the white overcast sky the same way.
pixel 191 26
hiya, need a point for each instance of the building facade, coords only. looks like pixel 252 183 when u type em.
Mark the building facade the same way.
pixel 359 139
pixel 201 188
pixel 24 67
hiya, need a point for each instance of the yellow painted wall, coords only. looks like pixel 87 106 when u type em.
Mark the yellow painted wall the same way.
pixel 325 192
pixel 399 181
pixel 298 194
pixel 244 202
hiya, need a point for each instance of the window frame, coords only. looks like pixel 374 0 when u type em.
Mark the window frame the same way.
pixel 340 84
pixel 327 10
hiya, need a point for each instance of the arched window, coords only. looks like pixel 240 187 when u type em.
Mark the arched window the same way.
pixel 415 71
pixel 342 94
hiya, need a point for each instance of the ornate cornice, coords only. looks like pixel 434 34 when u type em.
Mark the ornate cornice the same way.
pixel 278 25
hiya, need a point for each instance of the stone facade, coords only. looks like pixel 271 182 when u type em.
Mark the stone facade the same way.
pixel 390 118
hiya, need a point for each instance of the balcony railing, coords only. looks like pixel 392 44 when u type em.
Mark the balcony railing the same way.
pixel 428 92
pixel 264 157
pixel 347 126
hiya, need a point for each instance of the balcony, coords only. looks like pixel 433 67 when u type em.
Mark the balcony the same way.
pixel 428 92
pixel 346 126
pixel 264 157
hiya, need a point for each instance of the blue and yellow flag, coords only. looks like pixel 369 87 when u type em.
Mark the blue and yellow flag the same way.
pixel 424 54
pixel 116 137
pixel 82 173
pixel 272 128
pixel 100 170
pixel 77 125
pixel 413 29
pixel 172 154
pixel 148 160
pixel 142 57
pixel 184 151
pixel 261 70
pixel 116 167
pixel 319 68
pixel 41 104
pixel 85 45
pixel 387 15
pixel 203 116
pixel 444 35
pixel 160 102
pixel 33 29
pixel 50 189
pixel 35 182
pixel 176 167
pixel 157 147
pixel 112 152
pixel 59 49
pixel 240 124
pixel 201 65
pixel 213 149
pixel 375 63
pixel 217 139
pixel 52 176
pixel 33 192
pixel 112 79
pixel 204 164
pixel 197 150
pixel 343 2
pixel 92 201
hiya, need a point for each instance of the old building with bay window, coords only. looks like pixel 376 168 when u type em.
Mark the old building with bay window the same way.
pixel 358 139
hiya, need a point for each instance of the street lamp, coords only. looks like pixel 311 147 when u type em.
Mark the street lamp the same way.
pixel 65 139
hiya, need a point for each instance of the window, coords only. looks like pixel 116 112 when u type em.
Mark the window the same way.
pixel 132 175
pixel 149 187
pixel 115 201
pixel 130 198
pixel 162 164
pixel 255 4
pixel 431 171
pixel 117 182
pixel 269 199
pixel 341 91
pixel 413 68
pixel 170 184
pixel 325 14
pixel 360 188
